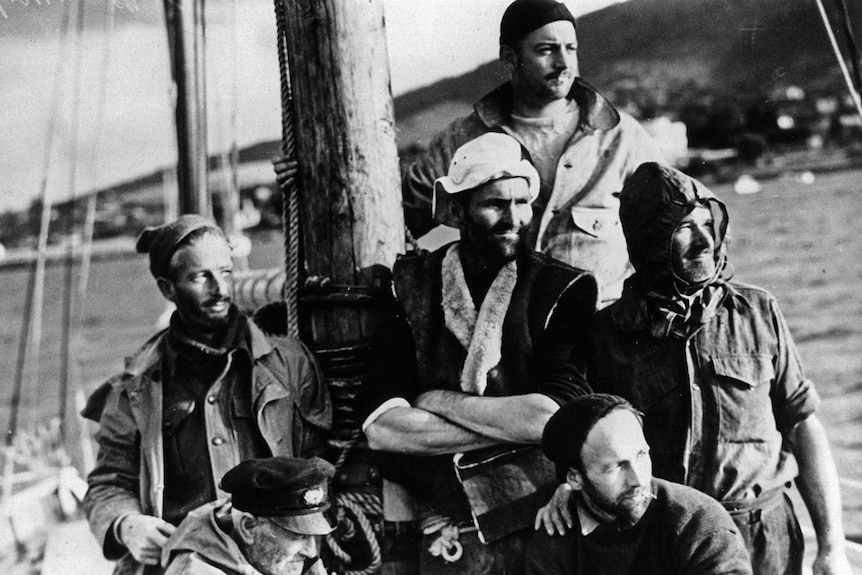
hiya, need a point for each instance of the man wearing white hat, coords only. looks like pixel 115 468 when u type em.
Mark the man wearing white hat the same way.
pixel 484 347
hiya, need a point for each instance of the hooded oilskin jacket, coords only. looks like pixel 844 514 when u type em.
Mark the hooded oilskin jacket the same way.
pixel 202 545
pixel 719 397
pixel 290 404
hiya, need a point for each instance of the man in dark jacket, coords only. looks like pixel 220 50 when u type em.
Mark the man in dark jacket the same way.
pixel 208 392
pixel 272 524
pixel 713 366
pixel 487 343
pixel 624 520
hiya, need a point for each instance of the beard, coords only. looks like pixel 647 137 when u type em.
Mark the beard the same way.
pixel 268 557
pixel 499 245
pixel 625 510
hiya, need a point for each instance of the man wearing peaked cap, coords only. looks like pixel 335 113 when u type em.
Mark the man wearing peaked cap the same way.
pixel 624 520
pixel 583 148
pixel 271 526
pixel 484 347
pixel 209 391
pixel 713 366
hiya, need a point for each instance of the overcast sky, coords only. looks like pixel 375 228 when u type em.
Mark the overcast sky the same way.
pixel 128 70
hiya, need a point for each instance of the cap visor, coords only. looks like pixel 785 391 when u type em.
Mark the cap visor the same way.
pixel 311 524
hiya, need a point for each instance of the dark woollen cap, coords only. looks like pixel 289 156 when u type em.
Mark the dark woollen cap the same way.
pixel 524 16
pixel 289 491
pixel 162 241
pixel 567 430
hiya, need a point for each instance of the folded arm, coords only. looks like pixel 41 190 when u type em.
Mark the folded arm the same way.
pixel 512 419
pixel 420 432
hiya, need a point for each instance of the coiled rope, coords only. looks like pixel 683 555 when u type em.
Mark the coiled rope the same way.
pixel 360 504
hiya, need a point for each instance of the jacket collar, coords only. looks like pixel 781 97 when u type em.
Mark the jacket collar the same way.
pixel 631 314
pixel 149 357
pixel 597 113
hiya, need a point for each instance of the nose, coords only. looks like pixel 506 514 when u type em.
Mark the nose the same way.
pixel 517 214
pixel 309 546
pixel 702 238
pixel 561 59
pixel 638 474
pixel 220 285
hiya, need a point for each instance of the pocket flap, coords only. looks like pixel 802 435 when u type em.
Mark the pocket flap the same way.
pixel 597 222
pixel 749 369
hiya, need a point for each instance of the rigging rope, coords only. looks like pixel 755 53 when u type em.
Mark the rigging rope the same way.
pixel 31 323
pixel 851 43
pixel 68 303
pixel 853 93
pixel 31 332
pixel 90 221
pixel 290 193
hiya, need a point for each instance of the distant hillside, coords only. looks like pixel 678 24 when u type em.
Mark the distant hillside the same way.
pixel 730 49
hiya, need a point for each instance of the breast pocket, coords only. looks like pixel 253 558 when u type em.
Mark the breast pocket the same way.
pixel 596 243
pixel 743 394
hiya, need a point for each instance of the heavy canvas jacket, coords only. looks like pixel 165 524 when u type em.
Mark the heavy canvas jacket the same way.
pixel 202 545
pixel 290 404
pixel 579 225
pixel 543 345
pixel 719 403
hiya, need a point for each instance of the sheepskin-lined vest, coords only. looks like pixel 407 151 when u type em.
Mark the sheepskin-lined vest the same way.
pixel 440 356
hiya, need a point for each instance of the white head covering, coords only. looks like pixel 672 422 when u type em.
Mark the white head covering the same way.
pixel 492 156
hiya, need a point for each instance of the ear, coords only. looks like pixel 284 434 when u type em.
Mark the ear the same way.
pixel 509 58
pixel 454 210
pixel 243 526
pixel 575 479
pixel 167 288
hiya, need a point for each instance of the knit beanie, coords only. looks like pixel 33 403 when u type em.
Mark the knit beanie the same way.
pixel 524 16
pixel 567 430
pixel 162 241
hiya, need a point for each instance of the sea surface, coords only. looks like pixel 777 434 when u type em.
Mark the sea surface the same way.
pixel 801 241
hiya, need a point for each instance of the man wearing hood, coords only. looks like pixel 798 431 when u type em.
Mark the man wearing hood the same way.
pixel 271 526
pixel 209 391
pixel 714 368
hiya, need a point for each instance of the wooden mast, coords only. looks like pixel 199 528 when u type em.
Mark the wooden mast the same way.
pixel 185 25
pixel 350 208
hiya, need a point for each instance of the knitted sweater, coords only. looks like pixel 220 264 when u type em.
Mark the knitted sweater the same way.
pixel 683 532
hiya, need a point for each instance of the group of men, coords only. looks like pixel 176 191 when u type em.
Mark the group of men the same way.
pixel 673 418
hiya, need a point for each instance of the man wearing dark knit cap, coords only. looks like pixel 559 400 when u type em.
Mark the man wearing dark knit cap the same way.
pixel 271 526
pixel 208 392
pixel 624 520
pixel 583 148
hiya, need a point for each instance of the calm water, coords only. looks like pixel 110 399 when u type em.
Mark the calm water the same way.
pixel 802 242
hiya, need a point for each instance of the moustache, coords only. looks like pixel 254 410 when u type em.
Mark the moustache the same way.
pixel 646 493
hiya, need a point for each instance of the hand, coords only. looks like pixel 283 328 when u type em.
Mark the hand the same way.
pixel 144 536
pixel 555 514
pixel 285 171
pixel 831 562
